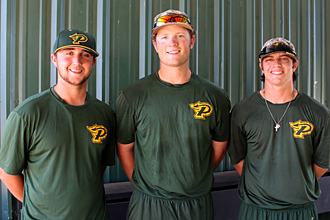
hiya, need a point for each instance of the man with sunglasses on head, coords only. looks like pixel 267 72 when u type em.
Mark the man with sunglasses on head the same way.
pixel 62 139
pixel 172 130
pixel 279 142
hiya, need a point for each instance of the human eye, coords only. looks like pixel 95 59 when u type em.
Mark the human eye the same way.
pixel 86 55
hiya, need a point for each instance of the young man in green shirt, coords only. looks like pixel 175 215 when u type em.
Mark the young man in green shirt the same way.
pixel 173 128
pixel 62 139
pixel 279 142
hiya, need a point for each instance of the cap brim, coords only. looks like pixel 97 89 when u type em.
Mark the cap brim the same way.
pixel 287 53
pixel 156 29
pixel 80 46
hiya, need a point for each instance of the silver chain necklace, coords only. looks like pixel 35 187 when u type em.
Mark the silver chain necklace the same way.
pixel 277 124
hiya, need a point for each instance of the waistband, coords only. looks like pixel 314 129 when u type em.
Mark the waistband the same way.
pixel 293 207
pixel 179 198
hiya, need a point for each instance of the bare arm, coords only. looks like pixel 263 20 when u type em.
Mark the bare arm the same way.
pixel 126 157
pixel 319 171
pixel 239 167
pixel 14 183
pixel 104 168
pixel 219 151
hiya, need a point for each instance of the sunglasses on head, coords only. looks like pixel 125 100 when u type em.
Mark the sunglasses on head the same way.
pixel 171 19
pixel 278 47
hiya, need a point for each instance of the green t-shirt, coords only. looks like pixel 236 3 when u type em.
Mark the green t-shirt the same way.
pixel 60 149
pixel 172 126
pixel 278 168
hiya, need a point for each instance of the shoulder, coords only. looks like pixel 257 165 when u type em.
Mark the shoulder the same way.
pixel 211 88
pixel 140 84
pixel 100 105
pixel 30 108
pixel 34 102
pixel 207 84
pixel 248 104
pixel 312 104
pixel 311 101
pixel 138 89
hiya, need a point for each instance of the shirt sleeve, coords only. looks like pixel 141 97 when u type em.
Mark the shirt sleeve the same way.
pixel 108 155
pixel 125 123
pixel 221 132
pixel 237 146
pixel 321 143
pixel 14 145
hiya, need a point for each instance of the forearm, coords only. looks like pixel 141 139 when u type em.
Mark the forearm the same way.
pixel 217 160
pixel 14 183
pixel 103 168
pixel 125 153
pixel 319 171
pixel 219 151
pixel 127 163
pixel 239 167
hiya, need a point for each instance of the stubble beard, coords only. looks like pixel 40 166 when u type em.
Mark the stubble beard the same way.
pixel 72 82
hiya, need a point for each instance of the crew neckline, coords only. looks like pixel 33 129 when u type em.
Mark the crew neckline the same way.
pixel 191 79
pixel 57 97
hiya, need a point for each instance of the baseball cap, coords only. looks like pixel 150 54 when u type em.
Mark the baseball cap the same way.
pixel 171 17
pixel 277 45
pixel 75 38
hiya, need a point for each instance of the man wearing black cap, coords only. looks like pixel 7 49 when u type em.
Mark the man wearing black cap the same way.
pixel 61 139
pixel 279 142
pixel 173 128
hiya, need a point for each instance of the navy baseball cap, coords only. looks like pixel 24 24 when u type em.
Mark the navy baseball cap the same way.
pixel 75 38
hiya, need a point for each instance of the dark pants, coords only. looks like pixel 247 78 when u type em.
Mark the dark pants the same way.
pixel 146 207
pixel 298 212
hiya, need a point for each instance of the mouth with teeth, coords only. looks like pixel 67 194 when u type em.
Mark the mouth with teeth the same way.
pixel 277 72
pixel 173 52
pixel 75 71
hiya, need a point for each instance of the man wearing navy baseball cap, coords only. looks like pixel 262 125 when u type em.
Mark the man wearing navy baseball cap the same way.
pixel 75 38
pixel 57 144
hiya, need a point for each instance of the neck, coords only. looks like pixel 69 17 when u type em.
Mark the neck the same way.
pixel 278 95
pixel 71 94
pixel 175 75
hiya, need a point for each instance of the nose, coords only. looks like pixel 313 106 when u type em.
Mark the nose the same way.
pixel 277 62
pixel 76 59
pixel 173 40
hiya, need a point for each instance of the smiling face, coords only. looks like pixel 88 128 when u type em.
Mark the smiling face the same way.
pixel 173 44
pixel 278 69
pixel 74 65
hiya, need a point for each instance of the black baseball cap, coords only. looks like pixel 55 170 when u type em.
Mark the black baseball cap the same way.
pixel 75 38
pixel 278 45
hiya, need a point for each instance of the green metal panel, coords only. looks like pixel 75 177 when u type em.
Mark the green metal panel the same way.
pixel 230 34
pixel 6 94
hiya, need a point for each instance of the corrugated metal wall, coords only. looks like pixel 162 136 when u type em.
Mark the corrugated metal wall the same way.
pixel 229 37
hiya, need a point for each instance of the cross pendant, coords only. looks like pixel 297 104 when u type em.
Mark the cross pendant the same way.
pixel 277 127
